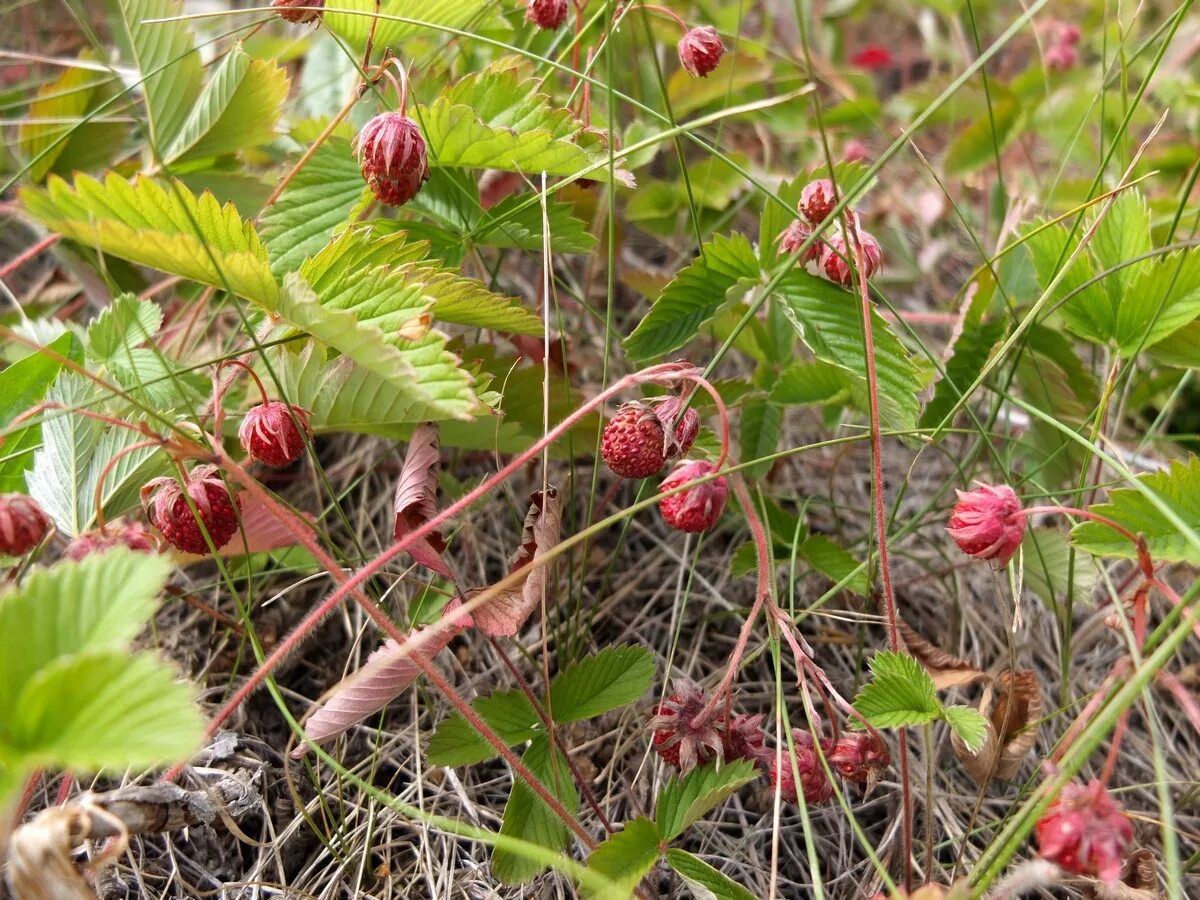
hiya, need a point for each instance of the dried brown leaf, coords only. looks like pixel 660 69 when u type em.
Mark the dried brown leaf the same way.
pixel 1012 705
pixel 1139 880
pixel 416 498
pixel 946 669
pixel 505 612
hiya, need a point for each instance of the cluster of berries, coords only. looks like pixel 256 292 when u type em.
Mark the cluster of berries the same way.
pixel 836 255
pixel 686 733
pixel 642 437
pixel 273 433
pixel 1064 43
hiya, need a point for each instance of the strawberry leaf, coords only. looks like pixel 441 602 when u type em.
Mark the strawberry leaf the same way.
pixel 416 498
pixel 457 743
pixel 900 694
pixel 705 882
pixel 684 800
pixel 626 856
pixel 612 678
pixel 527 817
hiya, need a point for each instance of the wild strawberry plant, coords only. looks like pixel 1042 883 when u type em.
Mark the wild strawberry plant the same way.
pixel 652 395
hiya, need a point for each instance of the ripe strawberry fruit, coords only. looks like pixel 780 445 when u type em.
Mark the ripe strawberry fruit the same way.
pixel 294 11
pixel 391 153
pixel 743 738
pixel 839 256
pixel 23 524
pixel 698 508
pixel 988 523
pixel 546 14
pixel 635 443
pixel 274 433
pixel 134 535
pixel 700 51
pixel 678 737
pixel 793 238
pixel 859 756
pixel 216 509
pixel 817 200
pixel 1085 832
pixel 814 783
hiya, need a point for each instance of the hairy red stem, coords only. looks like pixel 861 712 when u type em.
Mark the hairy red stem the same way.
pixel 24 257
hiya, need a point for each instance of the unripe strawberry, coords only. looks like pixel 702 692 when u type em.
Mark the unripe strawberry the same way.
pixel 680 735
pixel 23 524
pixel 391 153
pixel 840 254
pixel 1085 832
pixel 814 783
pixel 269 433
pixel 294 11
pixel 546 14
pixel 134 535
pixel 698 508
pixel 988 523
pixel 817 200
pixel 170 513
pixel 700 51
pixel 793 238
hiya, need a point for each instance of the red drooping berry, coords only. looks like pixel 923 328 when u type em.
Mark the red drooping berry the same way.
pixel 872 57
pixel 743 738
pixel 546 14
pixel 699 507
pixel 817 200
pixel 391 153
pixel 840 254
pixel 680 735
pixel 793 238
pixel 685 432
pixel 1069 33
pixel 987 523
pixel 122 533
pixel 274 433
pixel 1060 57
pixel 814 783
pixel 700 51
pixel 170 513
pixel 23 524
pixel 860 757
pixel 294 10
pixel 854 150
pixel 1085 832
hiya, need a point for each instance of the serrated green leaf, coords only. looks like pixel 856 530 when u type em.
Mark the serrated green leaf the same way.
pixel 900 694
pixel 1047 570
pixel 510 715
pixel 1178 487
pixel 317 200
pixel 971 350
pixel 611 678
pixel 22 386
pixel 807 383
pixel 684 800
pixel 705 882
pixel 830 559
pixel 514 223
pixel 693 297
pixel 465 301
pixel 353 19
pixel 969 724
pixel 71 608
pixel 237 109
pixel 125 323
pixel 761 425
pixel 106 709
pixel 626 856
pixel 829 321
pixel 53 119
pixel 165 227
pixel 990 132
pixel 498 120
pixel 527 817
pixel 1122 234
pixel 1090 313
pixel 165 54
pixel 1164 297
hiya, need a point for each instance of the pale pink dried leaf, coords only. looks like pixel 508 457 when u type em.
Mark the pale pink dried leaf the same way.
pixel 504 613
pixel 1012 705
pixel 264 530
pixel 385 675
pixel 945 669
pixel 416 498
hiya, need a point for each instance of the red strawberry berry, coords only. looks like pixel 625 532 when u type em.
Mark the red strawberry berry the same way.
pixel 1085 832
pixel 860 757
pixel 391 153
pixel 987 523
pixel 817 200
pixel 269 433
pixel 134 535
pixel 793 238
pixel 840 254
pixel 813 781
pixel 23 524
pixel 698 508
pixel 635 442
pixel 700 51
pixel 170 513
pixel 743 738
pixel 294 10
pixel 546 14
pixel 678 737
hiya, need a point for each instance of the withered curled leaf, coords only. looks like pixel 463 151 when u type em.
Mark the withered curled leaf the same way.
pixel 946 669
pixel 1012 705
pixel 505 612
pixel 416 498
pixel 1139 880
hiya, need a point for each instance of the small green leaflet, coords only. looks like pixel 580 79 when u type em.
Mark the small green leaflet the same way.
pixel 687 799
pixel 508 713
pixel 968 723
pixel 705 882
pixel 22 385
pixel 627 856
pixel 1178 487
pixel 1089 313
pixel 761 425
